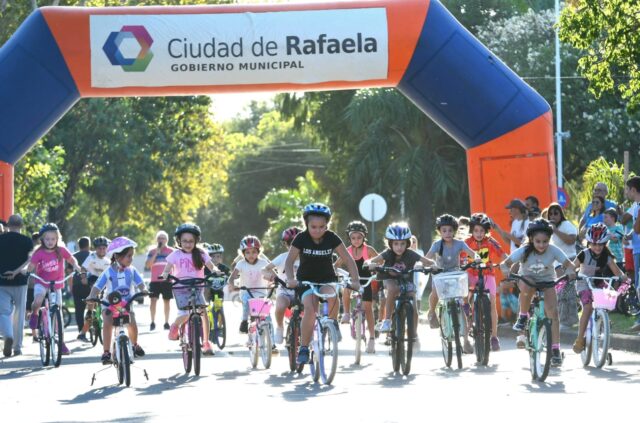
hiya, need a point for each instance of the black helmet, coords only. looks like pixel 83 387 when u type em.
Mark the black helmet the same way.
pixel 539 225
pixel 191 228
pixel 101 241
pixel 480 219
pixel 356 226
pixel 447 220
pixel 48 227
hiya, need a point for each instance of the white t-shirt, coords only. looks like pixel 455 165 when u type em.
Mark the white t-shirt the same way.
pixel 519 230
pixel 568 228
pixel 279 262
pixel 251 274
pixel 96 265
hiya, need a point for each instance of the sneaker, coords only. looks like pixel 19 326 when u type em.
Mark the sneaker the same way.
pixel 64 350
pixel 416 346
pixel 138 351
pixel 8 343
pixel 495 343
pixel 636 325
pixel 556 358
pixel 378 326
pixel 387 341
pixel 167 326
pixel 578 345
pixel 337 326
pixel 244 327
pixel 33 321
pixel 206 348
pixel 173 332
pixel 303 355
pixel 106 358
pixel 346 319
pixel 467 348
pixel 82 337
pixel 152 327
pixel 17 352
pixel 279 336
pixel 371 346
pixel 433 320
pixel 274 350
pixel 385 326
pixel 521 323
pixel 521 343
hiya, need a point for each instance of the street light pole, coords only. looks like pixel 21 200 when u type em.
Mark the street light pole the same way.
pixel 559 134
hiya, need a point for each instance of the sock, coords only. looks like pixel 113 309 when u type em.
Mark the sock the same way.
pixel 555 346
pixel 525 315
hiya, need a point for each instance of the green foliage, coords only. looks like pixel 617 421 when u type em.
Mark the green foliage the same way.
pixel 600 170
pixel 608 35
pixel 288 203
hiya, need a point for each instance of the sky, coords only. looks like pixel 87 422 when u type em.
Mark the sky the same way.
pixel 227 106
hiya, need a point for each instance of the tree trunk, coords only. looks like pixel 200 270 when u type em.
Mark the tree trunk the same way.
pixel 426 221
pixel 60 214
pixel 34 4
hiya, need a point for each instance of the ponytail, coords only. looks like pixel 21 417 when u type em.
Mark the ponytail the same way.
pixel 196 257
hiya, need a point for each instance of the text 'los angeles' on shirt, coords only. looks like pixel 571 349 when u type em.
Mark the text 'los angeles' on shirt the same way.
pixel 316 259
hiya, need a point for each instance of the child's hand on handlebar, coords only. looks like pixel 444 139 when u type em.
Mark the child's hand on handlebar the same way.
pixel 292 283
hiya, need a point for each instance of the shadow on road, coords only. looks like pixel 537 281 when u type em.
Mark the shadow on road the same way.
pixel 100 393
pixel 396 380
pixel 278 381
pixel 352 368
pixel 137 417
pixel 612 374
pixel 545 387
pixel 24 370
pixel 231 375
pixel 309 390
pixel 177 381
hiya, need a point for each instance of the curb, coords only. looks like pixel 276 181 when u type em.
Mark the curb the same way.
pixel 619 342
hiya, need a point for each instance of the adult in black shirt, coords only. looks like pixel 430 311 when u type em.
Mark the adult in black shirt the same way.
pixel 79 286
pixel 14 256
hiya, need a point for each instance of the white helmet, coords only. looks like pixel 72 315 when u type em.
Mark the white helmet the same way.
pixel 120 244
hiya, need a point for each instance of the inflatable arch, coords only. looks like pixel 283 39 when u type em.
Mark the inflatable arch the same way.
pixel 61 54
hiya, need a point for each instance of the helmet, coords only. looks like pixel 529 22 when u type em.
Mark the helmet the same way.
pixel 187 227
pixel 214 248
pixel 250 241
pixel 447 220
pixel 48 227
pixel 356 226
pixel 290 233
pixel 597 234
pixel 100 241
pixel 398 231
pixel 317 209
pixel 480 219
pixel 120 244
pixel 539 225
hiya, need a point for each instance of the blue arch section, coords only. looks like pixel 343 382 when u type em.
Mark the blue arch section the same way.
pixel 34 75
pixel 451 69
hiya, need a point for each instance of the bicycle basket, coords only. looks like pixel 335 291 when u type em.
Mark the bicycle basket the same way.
pixel 182 295
pixel 605 298
pixel 451 285
pixel 259 307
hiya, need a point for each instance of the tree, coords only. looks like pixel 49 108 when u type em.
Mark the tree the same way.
pixel 608 35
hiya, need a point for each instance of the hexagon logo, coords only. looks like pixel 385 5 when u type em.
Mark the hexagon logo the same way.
pixel 139 63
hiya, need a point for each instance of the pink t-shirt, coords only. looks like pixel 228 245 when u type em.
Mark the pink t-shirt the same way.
pixel 183 267
pixel 48 266
pixel 158 265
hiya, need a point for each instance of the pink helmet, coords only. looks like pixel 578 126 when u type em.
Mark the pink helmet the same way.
pixel 250 241
pixel 120 244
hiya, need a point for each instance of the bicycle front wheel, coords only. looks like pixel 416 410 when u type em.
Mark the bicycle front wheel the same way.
pixel 196 342
pixel 586 353
pixel 44 337
pixel 187 354
pixel 600 340
pixel 328 357
pixel 405 337
pixel 447 347
pixel 357 323
pixel 482 329
pixel 66 316
pixel 541 353
pixel 265 344
pixel 57 337
pixel 455 312
pixel 220 329
pixel 254 348
pixel 124 362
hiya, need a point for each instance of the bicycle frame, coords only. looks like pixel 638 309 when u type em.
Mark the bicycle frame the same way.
pixel 215 309
pixel 260 331
pixel 598 330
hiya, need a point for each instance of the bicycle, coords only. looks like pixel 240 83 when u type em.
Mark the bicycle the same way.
pixel 598 333
pixel 358 319
pixel 50 323
pixel 215 314
pixel 538 330
pixel 452 288
pixel 121 347
pixel 260 327
pixel 292 337
pixel 67 302
pixel 481 323
pixel 95 326
pixel 190 332
pixel 324 343
pixel 403 331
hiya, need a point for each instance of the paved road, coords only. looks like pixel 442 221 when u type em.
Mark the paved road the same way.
pixel 229 388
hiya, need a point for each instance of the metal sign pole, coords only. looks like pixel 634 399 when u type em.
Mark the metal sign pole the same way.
pixel 373 224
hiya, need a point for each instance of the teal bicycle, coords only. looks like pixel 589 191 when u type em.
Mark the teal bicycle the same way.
pixel 538 330
pixel 452 289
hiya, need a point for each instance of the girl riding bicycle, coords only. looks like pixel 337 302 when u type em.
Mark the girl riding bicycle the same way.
pixel 360 251
pixel 596 260
pixel 447 252
pixel 215 252
pixel 188 262
pixel 537 258
pixel 120 276
pixel 489 251
pixel 398 255
pixel 284 297
pixel 95 263
pixel 315 247
pixel 250 271
pixel 48 262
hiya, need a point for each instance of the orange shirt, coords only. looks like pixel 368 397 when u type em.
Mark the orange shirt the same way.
pixel 489 251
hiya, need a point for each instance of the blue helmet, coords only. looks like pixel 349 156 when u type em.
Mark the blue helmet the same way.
pixel 316 209
pixel 398 231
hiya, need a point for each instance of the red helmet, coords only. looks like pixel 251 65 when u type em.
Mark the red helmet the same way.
pixel 597 234
pixel 250 241
pixel 290 233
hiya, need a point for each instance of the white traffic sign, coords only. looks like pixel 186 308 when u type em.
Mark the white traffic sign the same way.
pixel 372 207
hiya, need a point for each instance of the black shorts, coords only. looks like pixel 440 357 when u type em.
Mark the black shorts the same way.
pixel 157 288
pixel 367 294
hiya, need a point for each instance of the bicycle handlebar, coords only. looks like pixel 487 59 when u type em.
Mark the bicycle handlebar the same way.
pixel 478 265
pixel 538 285
pixel 425 270
pixel 108 304
pixel 608 280
pixel 314 288
pixel 192 282
pixel 66 278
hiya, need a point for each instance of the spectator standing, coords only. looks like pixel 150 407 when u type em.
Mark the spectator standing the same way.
pixel 519 224
pixel 156 261
pixel 79 287
pixel 14 256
